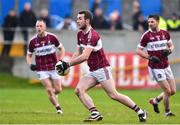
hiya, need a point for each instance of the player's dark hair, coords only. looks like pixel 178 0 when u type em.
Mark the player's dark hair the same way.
pixel 87 15
pixel 156 17
pixel 41 19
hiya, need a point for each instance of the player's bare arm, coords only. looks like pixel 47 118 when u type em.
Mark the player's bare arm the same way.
pixel 81 58
pixel 62 51
pixel 76 53
pixel 142 53
pixel 29 59
pixel 170 45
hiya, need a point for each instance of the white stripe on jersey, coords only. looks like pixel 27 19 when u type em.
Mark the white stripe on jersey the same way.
pixel 139 46
pixel 45 50
pixel 95 48
pixel 98 46
pixel 157 45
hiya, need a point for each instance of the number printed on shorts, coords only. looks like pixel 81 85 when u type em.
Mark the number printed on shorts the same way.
pixel 159 75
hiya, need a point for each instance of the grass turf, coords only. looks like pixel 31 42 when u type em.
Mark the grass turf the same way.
pixel 22 103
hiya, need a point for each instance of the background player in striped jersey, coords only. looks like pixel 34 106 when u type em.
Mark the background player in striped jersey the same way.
pixel 159 45
pixel 89 48
pixel 44 45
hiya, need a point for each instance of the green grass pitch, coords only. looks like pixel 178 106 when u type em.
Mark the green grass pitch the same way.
pixel 21 103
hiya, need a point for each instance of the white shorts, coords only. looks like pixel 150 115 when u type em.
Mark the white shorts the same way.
pixel 101 74
pixel 161 74
pixel 47 74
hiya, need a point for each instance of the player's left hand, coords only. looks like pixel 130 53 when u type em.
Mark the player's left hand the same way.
pixel 33 67
pixel 63 66
pixel 166 52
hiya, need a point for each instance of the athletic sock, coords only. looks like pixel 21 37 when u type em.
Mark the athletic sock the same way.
pixel 167 110
pixel 156 100
pixel 93 109
pixel 137 109
pixel 58 108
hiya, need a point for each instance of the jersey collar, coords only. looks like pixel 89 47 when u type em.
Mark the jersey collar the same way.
pixel 88 30
pixel 44 35
pixel 153 31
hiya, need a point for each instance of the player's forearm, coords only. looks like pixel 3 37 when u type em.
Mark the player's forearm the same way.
pixel 62 52
pixel 29 59
pixel 171 47
pixel 75 54
pixel 77 60
pixel 142 53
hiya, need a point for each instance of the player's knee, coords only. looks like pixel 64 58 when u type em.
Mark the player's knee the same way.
pixel 49 91
pixel 113 95
pixel 168 92
pixel 77 91
pixel 173 92
pixel 57 91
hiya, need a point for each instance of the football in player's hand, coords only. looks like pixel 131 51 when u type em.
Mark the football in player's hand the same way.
pixel 62 68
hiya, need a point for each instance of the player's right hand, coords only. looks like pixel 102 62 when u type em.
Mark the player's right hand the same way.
pixel 166 52
pixel 154 59
pixel 63 66
pixel 33 67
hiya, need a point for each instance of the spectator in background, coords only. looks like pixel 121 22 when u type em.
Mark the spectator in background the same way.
pixel 115 21
pixel 99 21
pixel 96 4
pixel 44 15
pixel 27 20
pixel 9 25
pixel 67 23
pixel 136 14
pixel 142 23
pixel 173 24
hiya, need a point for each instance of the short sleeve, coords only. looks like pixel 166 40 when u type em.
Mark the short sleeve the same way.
pixel 55 40
pixel 30 47
pixel 92 39
pixel 168 37
pixel 78 39
pixel 143 42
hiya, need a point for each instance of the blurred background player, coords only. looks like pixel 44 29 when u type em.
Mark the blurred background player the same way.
pixel 90 49
pixel 159 45
pixel 43 46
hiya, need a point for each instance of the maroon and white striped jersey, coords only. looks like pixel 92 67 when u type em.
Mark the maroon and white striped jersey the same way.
pixel 44 49
pixel 97 58
pixel 155 42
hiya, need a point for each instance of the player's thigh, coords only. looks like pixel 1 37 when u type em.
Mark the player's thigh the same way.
pixel 165 86
pixel 109 86
pixel 47 83
pixel 170 79
pixel 85 83
pixel 57 84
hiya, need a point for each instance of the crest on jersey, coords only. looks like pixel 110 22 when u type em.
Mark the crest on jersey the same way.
pixel 43 43
pixel 152 38
pixel 163 37
pixel 49 42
